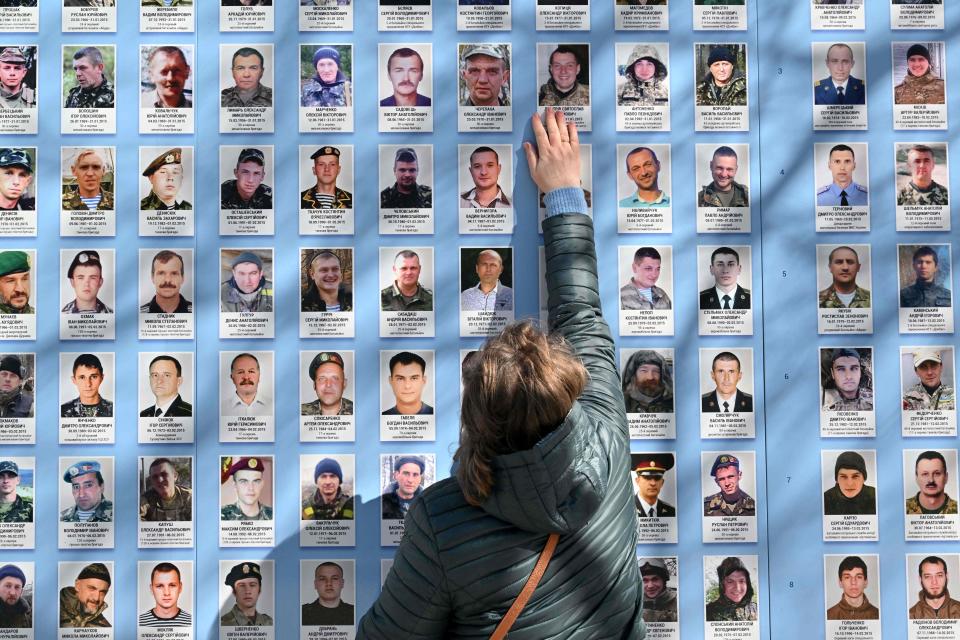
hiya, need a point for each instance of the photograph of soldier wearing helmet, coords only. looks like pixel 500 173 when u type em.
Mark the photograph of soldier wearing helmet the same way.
pixel 660 600
pixel 729 590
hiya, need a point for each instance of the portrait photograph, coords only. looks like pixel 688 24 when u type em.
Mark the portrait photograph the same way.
pixel 724 277
pixel 166 281
pixel 86 484
pixel 563 74
pixel 645 278
pixel 328 591
pixel 326 75
pixel 402 478
pixel 406 176
pixel 839 69
pixel 327 383
pixel 721 74
pixel 484 78
pixel 246 280
pixel 851 587
pixel 246 75
pixel 731 588
pixel 326 177
pixel 246 488
pixel 166 80
pixel 327 487
pixel 166 488
pixel 846 379
pixel 96 584
pixel 726 380
pixel 165 594
pixel 326 280
pixel 648 376
pixel 19 581
pixel 925 275
pixel 18 382
pixel 723 175
pixel 87 385
pixel 919 72
pixel 849 480
pixel 844 276
pixel 166 181
pixel 88 284
pixel 841 174
pixel 165 382
pixel 18 64
pixel 644 176
pixel 485 176
pixel 642 74
pixel 928 378
pixel 246 383
pixel 89 80
pixel 928 587
pixel 922 174
pixel 407 383
pixel 87 178
pixel 247 591
pixel 486 279
pixel 247 177
pixel 406 272
pixel 930 485
pixel 406 74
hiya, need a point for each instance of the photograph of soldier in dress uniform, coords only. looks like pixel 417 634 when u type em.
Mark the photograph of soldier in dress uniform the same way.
pixel 18 77
pixel 837 184
pixel 918 72
pixel 721 69
pixel 648 471
pixel 855 584
pixel 166 489
pixel 846 379
pixel 925 275
pixel 850 495
pixel 922 174
pixel 642 77
pixel 648 382
pixel 731 595
pixel 726 373
pixel 246 488
pixel 660 600
pixel 326 491
pixel 840 86
pixel 931 384
pixel 326 75
pixel 931 473
pixel 563 71
pixel 87 178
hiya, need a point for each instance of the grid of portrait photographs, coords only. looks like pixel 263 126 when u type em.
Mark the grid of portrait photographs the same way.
pixel 176 174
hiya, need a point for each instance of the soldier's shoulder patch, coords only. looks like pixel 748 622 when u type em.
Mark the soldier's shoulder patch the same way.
pixel 860 188
pixel 823 189
pixel 308 512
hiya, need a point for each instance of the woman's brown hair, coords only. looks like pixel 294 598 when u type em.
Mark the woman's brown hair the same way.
pixel 516 389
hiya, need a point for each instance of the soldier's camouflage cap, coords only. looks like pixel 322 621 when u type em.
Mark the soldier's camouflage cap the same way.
pixel 13 55
pixel 79 469
pixel 724 460
pixel 95 570
pixel 654 565
pixel 483 50
pixel 230 465
pixel 170 156
pixel 9 466
pixel 250 154
pixel 84 259
pixel 405 154
pixel 652 464
pixel 243 571
pixel 325 151
pixel 322 358
pixel 14 262
pixel 926 355
pixel 16 158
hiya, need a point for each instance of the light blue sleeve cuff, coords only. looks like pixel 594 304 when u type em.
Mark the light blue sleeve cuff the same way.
pixel 566 200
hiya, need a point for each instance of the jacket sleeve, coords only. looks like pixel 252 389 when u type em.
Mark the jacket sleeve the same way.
pixel 574 302
pixel 414 603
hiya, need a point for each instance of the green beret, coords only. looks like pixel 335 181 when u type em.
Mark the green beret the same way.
pixel 14 262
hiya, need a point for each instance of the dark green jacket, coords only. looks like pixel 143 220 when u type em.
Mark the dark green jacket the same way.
pixel 459 568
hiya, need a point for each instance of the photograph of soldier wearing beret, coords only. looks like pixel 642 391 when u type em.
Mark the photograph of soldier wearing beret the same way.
pixel 851 594
pixel 18 88
pixel 86 598
pixel 729 515
pixel 86 481
pixel 326 392
pixel 17 587
pixel 925 276
pixel 88 83
pixel 326 201
pixel 844 476
pixel 327 589
pixel 169 180
pixel 406 87
pixel 922 180
pixel 246 88
pixel 721 73
pixel 730 593
pixel 844 281
pixel 660 591
pixel 928 576
pixel 247 594
pixel 246 491
pixel 929 479
pixel 88 289
pixel 327 487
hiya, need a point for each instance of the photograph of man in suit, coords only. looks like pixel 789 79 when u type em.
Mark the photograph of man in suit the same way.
pixel 166 376
pixel 726 293
pixel 726 397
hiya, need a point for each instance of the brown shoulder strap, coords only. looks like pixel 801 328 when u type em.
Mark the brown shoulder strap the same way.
pixel 541 567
